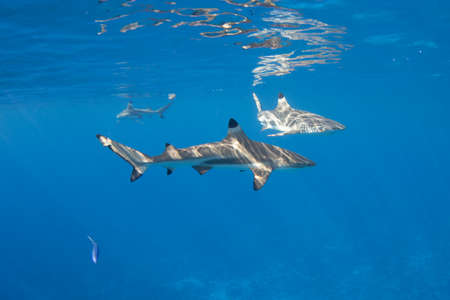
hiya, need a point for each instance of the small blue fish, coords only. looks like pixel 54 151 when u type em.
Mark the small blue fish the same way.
pixel 94 249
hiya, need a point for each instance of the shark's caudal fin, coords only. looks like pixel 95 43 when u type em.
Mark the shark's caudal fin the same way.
pixel 163 109
pixel 136 159
pixel 258 104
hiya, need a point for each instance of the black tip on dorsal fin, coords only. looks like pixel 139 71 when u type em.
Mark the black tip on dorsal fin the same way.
pixel 280 95
pixel 170 149
pixel 232 123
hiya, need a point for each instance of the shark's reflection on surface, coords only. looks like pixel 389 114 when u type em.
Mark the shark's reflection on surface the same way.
pixel 319 37
pixel 236 150
pixel 311 42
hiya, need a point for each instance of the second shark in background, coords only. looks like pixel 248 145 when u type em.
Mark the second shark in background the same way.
pixel 133 112
pixel 288 120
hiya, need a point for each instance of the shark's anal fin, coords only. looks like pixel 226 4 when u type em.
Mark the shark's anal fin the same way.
pixel 261 174
pixel 201 169
pixel 169 171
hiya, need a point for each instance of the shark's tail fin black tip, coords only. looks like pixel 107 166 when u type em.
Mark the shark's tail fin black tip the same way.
pixel 135 175
pixel 138 160
pixel 232 123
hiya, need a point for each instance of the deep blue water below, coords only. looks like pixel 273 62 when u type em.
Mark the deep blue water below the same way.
pixel 369 221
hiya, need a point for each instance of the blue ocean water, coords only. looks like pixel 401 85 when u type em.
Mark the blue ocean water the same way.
pixel 369 221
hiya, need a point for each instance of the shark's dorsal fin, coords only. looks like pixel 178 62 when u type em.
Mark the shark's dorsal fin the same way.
pixel 201 169
pixel 235 131
pixel 172 152
pixel 282 103
pixel 261 174
pixel 130 105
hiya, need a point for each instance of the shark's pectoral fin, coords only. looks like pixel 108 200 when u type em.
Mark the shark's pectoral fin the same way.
pixel 201 169
pixel 169 171
pixel 260 176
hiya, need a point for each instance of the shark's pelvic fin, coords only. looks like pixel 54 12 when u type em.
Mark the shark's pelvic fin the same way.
pixel 261 174
pixel 136 159
pixel 201 169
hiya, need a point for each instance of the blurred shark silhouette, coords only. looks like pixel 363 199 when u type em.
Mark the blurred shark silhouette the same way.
pixel 288 120
pixel 236 150
pixel 132 112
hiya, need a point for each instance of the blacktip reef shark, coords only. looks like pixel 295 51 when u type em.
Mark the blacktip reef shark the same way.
pixel 132 112
pixel 236 150
pixel 288 120
pixel 94 253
